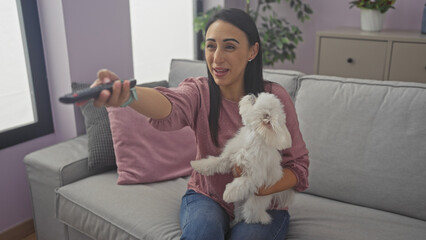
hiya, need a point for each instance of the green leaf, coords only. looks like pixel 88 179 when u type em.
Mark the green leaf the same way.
pixel 300 15
pixel 307 9
pixel 285 40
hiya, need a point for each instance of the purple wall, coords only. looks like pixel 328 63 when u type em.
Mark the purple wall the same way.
pixel 15 203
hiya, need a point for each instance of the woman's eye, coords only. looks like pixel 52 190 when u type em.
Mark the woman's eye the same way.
pixel 230 47
pixel 208 46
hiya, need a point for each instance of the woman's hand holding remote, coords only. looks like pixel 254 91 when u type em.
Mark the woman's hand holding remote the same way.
pixel 120 91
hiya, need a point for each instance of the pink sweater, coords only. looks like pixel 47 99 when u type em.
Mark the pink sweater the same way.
pixel 190 106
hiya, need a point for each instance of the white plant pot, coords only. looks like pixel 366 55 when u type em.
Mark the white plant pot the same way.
pixel 371 20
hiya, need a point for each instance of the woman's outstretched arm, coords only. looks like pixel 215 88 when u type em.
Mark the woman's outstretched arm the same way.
pixel 150 103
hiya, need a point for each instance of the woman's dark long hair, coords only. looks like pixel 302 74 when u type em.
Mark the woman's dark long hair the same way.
pixel 253 75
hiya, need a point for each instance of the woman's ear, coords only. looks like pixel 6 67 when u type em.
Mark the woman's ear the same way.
pixel 254 49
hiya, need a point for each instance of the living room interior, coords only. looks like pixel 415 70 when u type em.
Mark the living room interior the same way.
pixel 80 37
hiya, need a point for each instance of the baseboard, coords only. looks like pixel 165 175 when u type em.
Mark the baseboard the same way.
pixel 19 231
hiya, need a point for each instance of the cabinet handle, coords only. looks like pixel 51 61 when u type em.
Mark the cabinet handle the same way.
pixel 349 60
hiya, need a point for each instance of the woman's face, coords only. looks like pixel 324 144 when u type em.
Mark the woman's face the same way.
pixel 227 54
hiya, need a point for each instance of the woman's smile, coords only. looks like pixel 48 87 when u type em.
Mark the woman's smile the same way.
pixel 220 72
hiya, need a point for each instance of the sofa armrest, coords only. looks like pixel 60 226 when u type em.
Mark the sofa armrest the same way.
pixel 49 169
pixel 62 163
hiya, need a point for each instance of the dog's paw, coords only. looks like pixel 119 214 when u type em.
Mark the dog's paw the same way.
pixel 202 167
pixel 262 218
pixel 227 197
pixel 198 166
pixel 265 218
pixel 232 193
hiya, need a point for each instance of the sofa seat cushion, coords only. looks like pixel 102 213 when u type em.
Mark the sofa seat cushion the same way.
pixel 104 210
pixel 314 217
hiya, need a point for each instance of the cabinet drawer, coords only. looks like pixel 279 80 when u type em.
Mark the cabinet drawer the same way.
pixel 352 58
pixel 408 62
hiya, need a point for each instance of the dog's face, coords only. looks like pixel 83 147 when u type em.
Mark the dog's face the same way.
pixel 264 114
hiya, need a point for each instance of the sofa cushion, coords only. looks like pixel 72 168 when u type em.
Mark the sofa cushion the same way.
pixel 181 69
pixel 367 141
pixel 101 149
pixel 286 78
pixel 104 210
pixel 320 218
pixel 145 154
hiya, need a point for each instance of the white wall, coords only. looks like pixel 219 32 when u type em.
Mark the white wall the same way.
pixel 156 40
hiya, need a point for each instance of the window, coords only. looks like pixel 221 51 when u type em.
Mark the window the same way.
pixel 24 97
pixel 161 30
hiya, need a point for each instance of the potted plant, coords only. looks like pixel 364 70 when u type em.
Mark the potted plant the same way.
pixel 372 12
pixel 279 38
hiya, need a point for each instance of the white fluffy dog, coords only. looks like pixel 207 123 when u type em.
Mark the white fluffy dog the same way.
pixel 255 150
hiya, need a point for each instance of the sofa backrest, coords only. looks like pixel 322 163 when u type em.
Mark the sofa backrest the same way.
pixel 183 68
pixel 367 141
pixel 287 79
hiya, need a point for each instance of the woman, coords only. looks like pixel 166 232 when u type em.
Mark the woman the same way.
pixel 210 107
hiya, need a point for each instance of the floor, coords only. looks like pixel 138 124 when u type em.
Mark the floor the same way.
pixel 30 237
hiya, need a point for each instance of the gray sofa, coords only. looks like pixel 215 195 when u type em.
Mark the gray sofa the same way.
pixel 367 143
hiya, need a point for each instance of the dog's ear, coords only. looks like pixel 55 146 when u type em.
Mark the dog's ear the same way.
pixel 248 99
pixel 284 138
pixel 246 103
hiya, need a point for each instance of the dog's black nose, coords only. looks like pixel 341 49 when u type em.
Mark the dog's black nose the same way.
pixel 266 118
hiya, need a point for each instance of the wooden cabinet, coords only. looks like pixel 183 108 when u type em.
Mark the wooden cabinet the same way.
pixel 408 58
pixel 386 55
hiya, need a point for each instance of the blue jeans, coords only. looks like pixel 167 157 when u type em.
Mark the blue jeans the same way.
pixel 202 218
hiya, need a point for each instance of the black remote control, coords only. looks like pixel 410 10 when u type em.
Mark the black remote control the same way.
pixel 88 93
